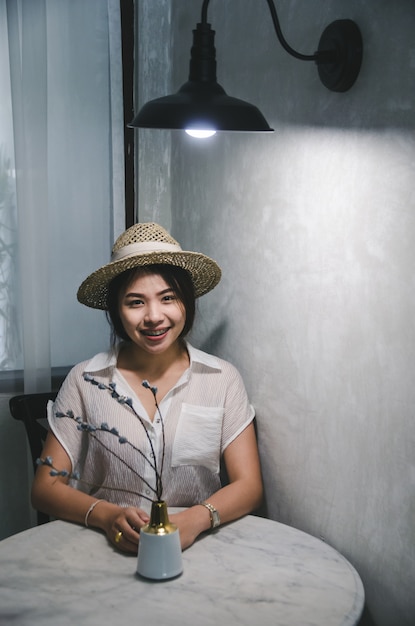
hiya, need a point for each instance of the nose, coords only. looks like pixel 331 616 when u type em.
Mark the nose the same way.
pixel 153 314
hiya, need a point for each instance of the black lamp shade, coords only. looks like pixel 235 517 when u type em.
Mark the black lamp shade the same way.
pixel 201 106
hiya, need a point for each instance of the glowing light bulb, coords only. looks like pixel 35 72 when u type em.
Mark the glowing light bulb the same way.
pixel 200 134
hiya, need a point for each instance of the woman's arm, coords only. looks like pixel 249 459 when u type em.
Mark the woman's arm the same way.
pixel 53 495
pixel 242 495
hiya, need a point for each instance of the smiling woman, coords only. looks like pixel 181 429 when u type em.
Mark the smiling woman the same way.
pixel 149 290
pixel 151 313
pixel 176 278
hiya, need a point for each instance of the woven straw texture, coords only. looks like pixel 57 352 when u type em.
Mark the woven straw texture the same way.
pixel 142 233
pixel 204 271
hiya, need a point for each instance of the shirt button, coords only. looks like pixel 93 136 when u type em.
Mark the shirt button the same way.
pixel 147 491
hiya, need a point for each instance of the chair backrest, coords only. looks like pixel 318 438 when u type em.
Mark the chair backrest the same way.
pixel 31 410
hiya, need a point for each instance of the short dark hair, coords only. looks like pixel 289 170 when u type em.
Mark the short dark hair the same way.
pixel 176 277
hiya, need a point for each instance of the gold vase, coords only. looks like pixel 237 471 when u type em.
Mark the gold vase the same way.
pixel 159 523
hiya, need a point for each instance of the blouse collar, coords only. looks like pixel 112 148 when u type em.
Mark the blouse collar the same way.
pixel 105 360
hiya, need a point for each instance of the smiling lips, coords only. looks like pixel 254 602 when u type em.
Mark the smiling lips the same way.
pixel 155 334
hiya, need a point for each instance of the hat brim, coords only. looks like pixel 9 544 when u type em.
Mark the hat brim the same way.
pixel 204 271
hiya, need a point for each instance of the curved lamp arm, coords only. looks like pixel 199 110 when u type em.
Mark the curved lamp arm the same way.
pixel 339 53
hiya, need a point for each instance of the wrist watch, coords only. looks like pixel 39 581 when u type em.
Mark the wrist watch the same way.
pixel 214 515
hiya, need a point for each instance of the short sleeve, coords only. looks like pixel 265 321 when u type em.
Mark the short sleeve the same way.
pixel 239 413
pixel 65 429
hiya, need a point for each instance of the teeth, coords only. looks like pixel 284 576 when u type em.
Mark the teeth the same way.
pixel 154 333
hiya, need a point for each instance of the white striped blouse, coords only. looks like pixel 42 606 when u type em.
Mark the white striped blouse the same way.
pixel 201 415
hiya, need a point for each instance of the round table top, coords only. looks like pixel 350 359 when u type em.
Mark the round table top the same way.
pixel 253 571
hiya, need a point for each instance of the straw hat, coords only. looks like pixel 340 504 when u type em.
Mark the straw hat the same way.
pixel 147 244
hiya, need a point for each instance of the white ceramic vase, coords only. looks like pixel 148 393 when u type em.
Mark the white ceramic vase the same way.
pixel 159 549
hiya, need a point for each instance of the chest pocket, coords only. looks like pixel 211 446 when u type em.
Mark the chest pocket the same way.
pixel 198 437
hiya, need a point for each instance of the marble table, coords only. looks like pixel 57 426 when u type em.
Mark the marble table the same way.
pixel 253 572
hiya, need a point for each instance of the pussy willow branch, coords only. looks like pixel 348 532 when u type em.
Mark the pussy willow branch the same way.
pixel 75 476
pixel 153 390
pixel 91 430
pixel 128 401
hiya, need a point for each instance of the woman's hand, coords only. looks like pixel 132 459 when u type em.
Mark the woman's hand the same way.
pixel 122 527
pixel 190 523
pixel 128 521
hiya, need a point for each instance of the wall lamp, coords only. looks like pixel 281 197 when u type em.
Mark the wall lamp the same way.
pixel 202 107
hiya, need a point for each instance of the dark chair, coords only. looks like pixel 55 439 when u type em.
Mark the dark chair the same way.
pixel 31 410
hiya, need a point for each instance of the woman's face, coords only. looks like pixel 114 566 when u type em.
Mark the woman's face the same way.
pixel 152 315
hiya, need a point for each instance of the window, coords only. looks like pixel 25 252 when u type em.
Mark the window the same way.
pixel 61 179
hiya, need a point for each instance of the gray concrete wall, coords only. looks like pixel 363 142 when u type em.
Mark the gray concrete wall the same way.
pixel 314 228
pixel 153 79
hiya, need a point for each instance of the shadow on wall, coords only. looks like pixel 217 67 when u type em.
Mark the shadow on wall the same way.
pixel 213 344
pixel 217 338
pixel 366 619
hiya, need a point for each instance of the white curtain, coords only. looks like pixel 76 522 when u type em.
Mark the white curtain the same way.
pixel 61 152
pixel 61 202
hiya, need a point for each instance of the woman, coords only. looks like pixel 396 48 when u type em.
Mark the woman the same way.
pixel 200 416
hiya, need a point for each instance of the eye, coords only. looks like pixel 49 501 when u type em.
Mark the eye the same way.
pixel 169 298
pixel 134 303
